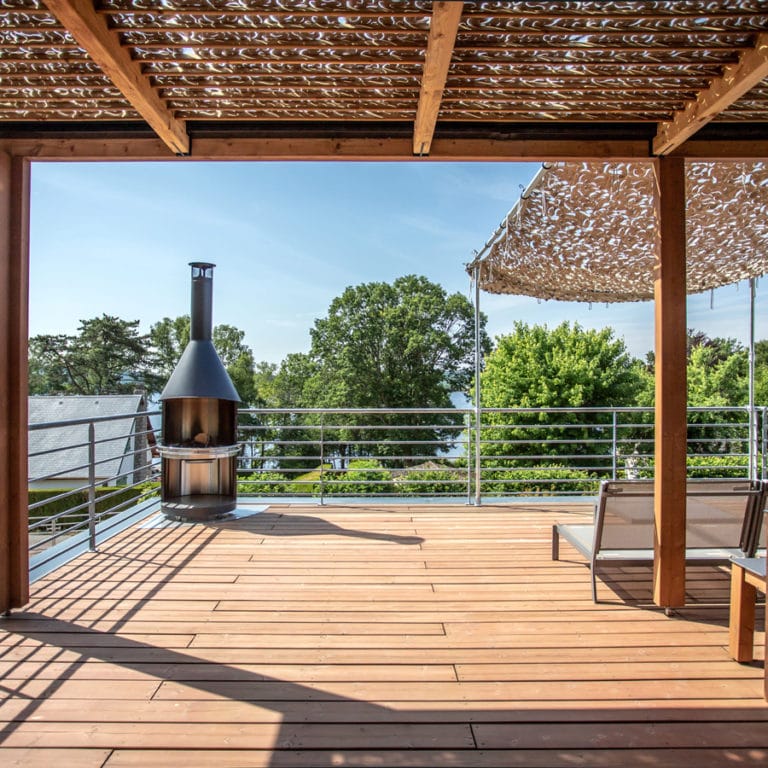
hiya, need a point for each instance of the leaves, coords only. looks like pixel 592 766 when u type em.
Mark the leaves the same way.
pixel 565 367
pixel 404 344
pixel 108 356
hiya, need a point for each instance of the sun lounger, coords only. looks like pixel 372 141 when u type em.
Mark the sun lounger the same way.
pixel 747 578
pixel 723 520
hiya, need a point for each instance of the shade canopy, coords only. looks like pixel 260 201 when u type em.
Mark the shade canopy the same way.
pixel 587 231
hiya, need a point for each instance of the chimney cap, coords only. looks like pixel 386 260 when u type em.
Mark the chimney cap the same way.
pixel 203 266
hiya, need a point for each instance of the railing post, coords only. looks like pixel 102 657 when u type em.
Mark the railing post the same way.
pixel 478 397
pixel 92 487
pixel 322 464
pixel 615 446
pixel 478 457
pixel 763 443
pixel 468 451
pixel 751 393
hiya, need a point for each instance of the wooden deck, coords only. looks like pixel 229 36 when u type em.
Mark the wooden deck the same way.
pixel 370 636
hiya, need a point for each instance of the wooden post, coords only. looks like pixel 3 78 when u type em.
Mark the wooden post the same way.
pixel 14 281
pixel 671 386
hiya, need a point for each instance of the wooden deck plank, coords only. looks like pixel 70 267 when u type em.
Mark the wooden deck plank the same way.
pixel 475 758
pixel 531 625
pixel 341 711
pixel 45 758
pixel 398 635
pixel 319 653
pixel 278 736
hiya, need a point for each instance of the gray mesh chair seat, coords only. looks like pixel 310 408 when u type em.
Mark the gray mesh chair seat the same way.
pixel 723 520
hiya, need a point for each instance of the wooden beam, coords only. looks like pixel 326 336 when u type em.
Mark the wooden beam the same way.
pixel 671 386
pixel 298 148
pixel 736 80
pixel 103 46
pixel 443 27
pixel 727 149
pixel 14 281
pixel 397 149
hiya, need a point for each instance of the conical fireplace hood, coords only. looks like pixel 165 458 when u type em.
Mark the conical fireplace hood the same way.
pixel 200 372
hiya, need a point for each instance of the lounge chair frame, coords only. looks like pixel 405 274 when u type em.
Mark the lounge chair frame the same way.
pixel 724 520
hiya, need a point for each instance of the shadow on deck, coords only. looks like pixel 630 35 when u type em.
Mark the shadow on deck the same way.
pixel 334 636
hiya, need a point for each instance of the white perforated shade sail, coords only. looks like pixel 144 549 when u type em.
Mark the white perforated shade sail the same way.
pixel 587 231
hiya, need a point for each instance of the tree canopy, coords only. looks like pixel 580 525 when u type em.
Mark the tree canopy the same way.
pixel 401 344
pixel 567 366
pixel 106 356
pixel 408 344
pixel 109 356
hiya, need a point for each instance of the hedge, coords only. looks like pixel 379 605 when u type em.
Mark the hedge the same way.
pixel 115 503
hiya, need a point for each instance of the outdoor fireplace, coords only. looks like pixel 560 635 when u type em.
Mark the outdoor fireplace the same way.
pixel 199 447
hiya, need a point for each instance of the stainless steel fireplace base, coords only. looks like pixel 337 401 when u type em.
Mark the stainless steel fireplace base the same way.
pixel 198 483
pixel 197 508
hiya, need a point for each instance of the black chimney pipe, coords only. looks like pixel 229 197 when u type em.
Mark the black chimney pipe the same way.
pixel 201 320
pixel 200 372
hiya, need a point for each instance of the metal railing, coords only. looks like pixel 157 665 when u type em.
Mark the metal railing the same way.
pixel 85 472
pixel 442 453
pixel 88 473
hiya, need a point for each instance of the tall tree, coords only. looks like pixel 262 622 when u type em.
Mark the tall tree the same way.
pixel 407 344
pixel 169 337
pixel 404 344
pixel 566 367
pixel 107 356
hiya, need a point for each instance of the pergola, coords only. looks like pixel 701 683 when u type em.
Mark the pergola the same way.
pixel 664 82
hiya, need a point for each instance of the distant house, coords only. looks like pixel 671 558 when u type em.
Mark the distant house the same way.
pixel 58 456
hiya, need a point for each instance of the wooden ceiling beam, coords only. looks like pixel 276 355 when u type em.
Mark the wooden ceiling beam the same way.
pixel 84 148
pixel 736 80
pixel 331 148
pixel 91 32
pixel 443 27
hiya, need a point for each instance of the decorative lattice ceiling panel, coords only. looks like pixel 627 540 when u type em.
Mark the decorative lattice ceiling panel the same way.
pixel 341 61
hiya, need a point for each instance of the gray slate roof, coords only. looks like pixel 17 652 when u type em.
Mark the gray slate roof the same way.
pixel 112 437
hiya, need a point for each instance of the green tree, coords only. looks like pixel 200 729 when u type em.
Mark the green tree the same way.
pixel 169 337
pixel 287 440
pixel 717 371
pixel 717 377
pixel 264 381
pixel 295 383
pixel 238 360
pixel 106 356
pixel 406 344
pixel 761 372
pixel 566 367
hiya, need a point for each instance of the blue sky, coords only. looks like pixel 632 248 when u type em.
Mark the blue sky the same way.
pixel 287 238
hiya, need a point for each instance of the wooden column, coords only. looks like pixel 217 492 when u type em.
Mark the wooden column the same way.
pixel 14 281
pixel 671 385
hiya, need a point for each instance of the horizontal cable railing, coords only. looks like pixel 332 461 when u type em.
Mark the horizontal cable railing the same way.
pixel 435 453
pixel 350 452
pixel 84 472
